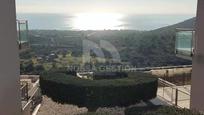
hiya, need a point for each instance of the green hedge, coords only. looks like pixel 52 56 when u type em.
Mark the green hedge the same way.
pixel 65 88
pixel 159 110
pixel 109 75
pixel 63 70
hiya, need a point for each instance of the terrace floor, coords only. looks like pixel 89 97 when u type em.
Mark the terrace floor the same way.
pixel 169 95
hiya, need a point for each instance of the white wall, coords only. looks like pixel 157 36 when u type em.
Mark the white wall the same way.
pixel 9 61
pixel 197 93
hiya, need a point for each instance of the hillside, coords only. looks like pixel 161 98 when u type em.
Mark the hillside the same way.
pixel 140 48
pixel 190 23
pixel 157 46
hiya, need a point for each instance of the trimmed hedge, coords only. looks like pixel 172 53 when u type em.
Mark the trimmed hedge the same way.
pixel 109 75
pixel 159 110
pixel 63 70
pixel 65 88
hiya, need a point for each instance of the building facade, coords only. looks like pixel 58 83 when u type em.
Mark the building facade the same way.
pixel 10 101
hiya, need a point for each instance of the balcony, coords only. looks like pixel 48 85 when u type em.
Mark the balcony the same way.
pixel 22 34
pixel 184 47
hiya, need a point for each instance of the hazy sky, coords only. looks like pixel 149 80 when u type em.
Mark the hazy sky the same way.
pixel 115 6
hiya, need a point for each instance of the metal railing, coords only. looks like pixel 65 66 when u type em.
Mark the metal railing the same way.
pixel 174 95
pixel 30 97
pixel 24 91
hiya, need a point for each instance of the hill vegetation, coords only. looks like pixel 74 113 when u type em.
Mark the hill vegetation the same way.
pixel 137 48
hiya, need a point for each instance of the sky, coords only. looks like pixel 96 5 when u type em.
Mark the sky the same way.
pixel 113 6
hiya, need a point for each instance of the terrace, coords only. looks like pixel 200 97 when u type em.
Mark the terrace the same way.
pixel 10 66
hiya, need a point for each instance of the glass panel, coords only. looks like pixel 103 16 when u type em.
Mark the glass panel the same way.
pixel 22 31
pixel 184 44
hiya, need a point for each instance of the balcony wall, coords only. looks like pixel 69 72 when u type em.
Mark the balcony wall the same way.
pixel 9 61
pixel 197 92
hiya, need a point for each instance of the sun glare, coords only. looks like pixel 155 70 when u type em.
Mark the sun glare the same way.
pixel 98 21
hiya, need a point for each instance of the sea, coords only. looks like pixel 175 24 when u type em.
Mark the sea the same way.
pixel 49 21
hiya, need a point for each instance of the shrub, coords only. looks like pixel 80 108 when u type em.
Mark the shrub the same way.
pixel 65 88
pixel 159 110
pixel 109 75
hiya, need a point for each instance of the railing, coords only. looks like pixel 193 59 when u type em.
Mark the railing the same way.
pixel 132 69
pixel 174 95
pixel 22 34
pixel 24 91
pixel 184 47
pixel 30 98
